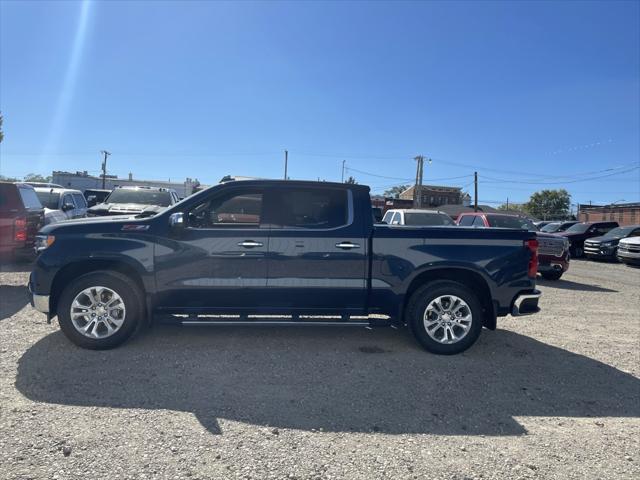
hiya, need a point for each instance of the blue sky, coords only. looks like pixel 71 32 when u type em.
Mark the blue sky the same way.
pixel 527 94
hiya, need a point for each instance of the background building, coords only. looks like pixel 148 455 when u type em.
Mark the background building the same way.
pixel 82 181
pixel 623 213
pixel 435 195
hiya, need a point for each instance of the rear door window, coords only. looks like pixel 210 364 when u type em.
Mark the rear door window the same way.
pixel 309 208
pixel 29 198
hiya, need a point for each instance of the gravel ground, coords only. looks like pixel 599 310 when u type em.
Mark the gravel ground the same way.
pixel 556 395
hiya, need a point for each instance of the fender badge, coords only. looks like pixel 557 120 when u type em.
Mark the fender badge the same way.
pixel 135 228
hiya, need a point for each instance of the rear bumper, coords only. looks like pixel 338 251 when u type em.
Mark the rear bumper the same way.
pixel 526 303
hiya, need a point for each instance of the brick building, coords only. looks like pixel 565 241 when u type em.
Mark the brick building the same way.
pixel 623 213
pixel 435 195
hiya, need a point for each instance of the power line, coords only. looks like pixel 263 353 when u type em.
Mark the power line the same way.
pixel 561 182
pixel 404 179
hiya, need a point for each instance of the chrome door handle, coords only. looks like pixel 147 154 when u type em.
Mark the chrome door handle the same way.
pixel 249 244
pixel 347 245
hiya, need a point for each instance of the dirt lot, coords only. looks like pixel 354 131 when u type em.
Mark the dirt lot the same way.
pixel 556 395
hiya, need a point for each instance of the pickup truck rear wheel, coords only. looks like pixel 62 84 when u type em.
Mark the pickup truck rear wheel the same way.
pixel 445 317
pixel 100 310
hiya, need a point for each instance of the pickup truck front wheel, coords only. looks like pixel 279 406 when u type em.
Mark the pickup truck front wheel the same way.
pixel 100 310
pixel 445 317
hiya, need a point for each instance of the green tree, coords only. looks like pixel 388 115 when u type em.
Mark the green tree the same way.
pixel 351 180
pixel 36 177
pixel 549 204
pixel 515 208
pixel 394 192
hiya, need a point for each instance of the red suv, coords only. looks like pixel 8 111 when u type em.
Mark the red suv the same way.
pixel 553 251
pixel 21 216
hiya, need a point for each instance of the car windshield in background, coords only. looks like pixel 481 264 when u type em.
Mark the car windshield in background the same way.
pixel 578 228
pixel 144 197
pixel 619 232
pixel 49 199
pixel 423 218
pixel 551 227
pixel 503 221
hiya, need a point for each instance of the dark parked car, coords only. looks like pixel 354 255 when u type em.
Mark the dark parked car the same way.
pixel 606 246
pixel 286 248
pixel 553 252
pixel 21 216
pixel 578 233
pixel 146 201
pixel 556 227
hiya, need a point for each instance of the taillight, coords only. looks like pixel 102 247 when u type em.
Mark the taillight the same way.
pixel 20 229
pixel 532 245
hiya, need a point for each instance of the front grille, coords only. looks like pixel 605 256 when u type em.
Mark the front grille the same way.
pixel 551 246
pixel 629 248
pixel 592 247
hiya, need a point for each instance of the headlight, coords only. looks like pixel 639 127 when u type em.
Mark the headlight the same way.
pixel 43 242
pixel 566 244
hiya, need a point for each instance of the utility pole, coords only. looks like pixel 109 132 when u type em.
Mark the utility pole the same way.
pixel 475 191
pixel 417 189
pixel 507 204
pixel 343 162
pixel 104 167
pixel 286 163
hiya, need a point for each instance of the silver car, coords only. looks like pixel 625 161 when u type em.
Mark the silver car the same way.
pixel 61 204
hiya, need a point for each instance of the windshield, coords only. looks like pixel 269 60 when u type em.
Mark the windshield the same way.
pixel 144 197
pixel 505 221
pixel 551 227
pixel 619 232
pixel 578 228
pixel 424 218
pixel 49 199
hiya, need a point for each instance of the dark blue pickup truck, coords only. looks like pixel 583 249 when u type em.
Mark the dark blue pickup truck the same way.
pixel 255 252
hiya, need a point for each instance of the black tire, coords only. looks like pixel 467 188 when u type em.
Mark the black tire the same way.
pixel 124 286
pixel 551 275
pixel 420 300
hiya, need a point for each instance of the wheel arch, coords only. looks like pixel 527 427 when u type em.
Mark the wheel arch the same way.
pixel 465 276
pixel 80 267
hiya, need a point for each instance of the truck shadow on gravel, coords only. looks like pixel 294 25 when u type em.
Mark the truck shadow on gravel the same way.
pixel 569 285
pixel 330 379
pixel 13 298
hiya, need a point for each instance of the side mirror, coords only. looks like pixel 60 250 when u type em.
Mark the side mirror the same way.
pixel 395 222
pixel 176 221
pixel 68 206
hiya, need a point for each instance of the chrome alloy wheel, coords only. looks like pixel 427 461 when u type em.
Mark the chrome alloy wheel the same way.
pixel 447 319
pixel 97 312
